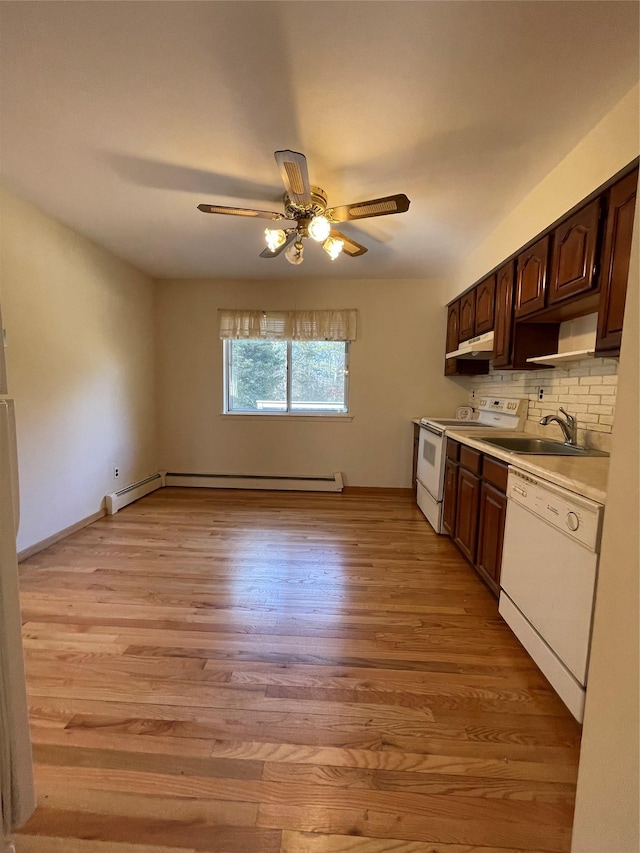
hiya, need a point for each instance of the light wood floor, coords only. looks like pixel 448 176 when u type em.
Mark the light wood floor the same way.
pixel 251 672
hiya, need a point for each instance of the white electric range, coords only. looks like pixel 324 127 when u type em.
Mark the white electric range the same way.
pixel 507 413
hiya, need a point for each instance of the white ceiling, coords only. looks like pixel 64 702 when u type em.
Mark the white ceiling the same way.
pixel 118 118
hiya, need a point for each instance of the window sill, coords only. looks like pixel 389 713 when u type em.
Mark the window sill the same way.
pixel 284 416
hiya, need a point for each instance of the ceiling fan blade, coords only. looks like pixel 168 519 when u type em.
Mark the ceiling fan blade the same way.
pixel 364 209
pixel 240 211
pixel 295 176
pixel 267 253
pixel 350 247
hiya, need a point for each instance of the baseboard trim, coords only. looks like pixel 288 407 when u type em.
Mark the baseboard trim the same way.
pixel 32 550
pixel 330 483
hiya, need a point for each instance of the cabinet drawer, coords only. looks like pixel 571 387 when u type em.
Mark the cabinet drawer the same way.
pixel 495 472
pixel 471 459
pixel 453 450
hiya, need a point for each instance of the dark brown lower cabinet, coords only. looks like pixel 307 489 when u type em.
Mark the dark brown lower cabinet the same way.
pixel 467 506
pixel 475 507
pixel 493 510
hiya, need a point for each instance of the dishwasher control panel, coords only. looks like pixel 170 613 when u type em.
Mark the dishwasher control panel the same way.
pixel 576 516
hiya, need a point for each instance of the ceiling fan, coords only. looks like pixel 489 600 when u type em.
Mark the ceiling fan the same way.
pixel 306 214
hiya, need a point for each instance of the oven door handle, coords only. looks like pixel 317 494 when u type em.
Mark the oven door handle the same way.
pixel 432 429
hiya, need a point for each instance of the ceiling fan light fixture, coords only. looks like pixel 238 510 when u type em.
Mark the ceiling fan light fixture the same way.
pixel 274 237
pixel 319 228
pixel 294 253
pixel 333 247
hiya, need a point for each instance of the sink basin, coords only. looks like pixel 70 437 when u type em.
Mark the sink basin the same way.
pixel 540 446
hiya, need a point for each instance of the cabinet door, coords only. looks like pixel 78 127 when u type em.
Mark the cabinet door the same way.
pixel 467 328
pixel 573 265
pixel 615 264
pixel 453 328
pixel 467 505
pixel 504 316
pixel 485 305
pixel 450 496
pixel 532 278
pixel 493 510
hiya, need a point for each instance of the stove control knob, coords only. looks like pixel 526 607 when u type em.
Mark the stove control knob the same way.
pixel 573 522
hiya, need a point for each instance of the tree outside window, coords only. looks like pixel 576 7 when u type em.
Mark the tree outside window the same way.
pixel 299 377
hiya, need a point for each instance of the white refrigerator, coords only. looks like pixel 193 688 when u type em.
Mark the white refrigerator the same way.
pixel 17 793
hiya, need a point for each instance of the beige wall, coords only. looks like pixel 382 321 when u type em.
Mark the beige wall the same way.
pixel 80 356
pixel 396 373
pixel 607 804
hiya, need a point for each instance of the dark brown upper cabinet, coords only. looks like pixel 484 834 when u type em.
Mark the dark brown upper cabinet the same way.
pixel 485 305
pixel 453 326
pixel 532 278
pixel 459 366
pixel 616 253
pixel 467 328
pixel 573 266
pixel 577 266
pixel 503 315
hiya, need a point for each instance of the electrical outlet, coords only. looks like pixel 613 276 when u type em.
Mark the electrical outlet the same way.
pixel 116 473
pixel 540 393
pixel 473 395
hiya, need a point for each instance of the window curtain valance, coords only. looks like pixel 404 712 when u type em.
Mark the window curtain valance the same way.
pixel 324 325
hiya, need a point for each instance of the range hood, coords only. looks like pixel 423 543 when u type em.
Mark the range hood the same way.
pixel 478 347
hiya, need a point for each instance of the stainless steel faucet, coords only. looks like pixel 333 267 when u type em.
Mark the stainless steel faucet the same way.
pixel 569 427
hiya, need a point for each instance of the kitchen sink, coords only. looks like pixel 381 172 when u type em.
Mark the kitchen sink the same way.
pixel 540 446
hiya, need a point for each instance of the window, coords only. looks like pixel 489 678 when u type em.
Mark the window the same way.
pixel 286 377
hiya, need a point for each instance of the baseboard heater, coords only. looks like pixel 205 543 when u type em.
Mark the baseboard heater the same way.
pixel 116 500
pixel 329 483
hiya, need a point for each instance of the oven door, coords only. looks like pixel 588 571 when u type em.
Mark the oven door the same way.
pixel 431 460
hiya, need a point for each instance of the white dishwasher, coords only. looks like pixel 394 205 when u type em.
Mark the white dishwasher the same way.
pixel 548 579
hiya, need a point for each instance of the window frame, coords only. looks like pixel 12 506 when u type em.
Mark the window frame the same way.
pixel 226 385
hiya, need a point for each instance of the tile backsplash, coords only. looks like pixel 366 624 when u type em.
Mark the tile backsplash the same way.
pixel 586 389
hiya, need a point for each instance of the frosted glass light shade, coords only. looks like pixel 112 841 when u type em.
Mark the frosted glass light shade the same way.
pixel 333 247
pixel 319 228
pixel 294 253
pixel 274 237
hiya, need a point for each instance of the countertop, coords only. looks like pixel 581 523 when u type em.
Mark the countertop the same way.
pixel 584 476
